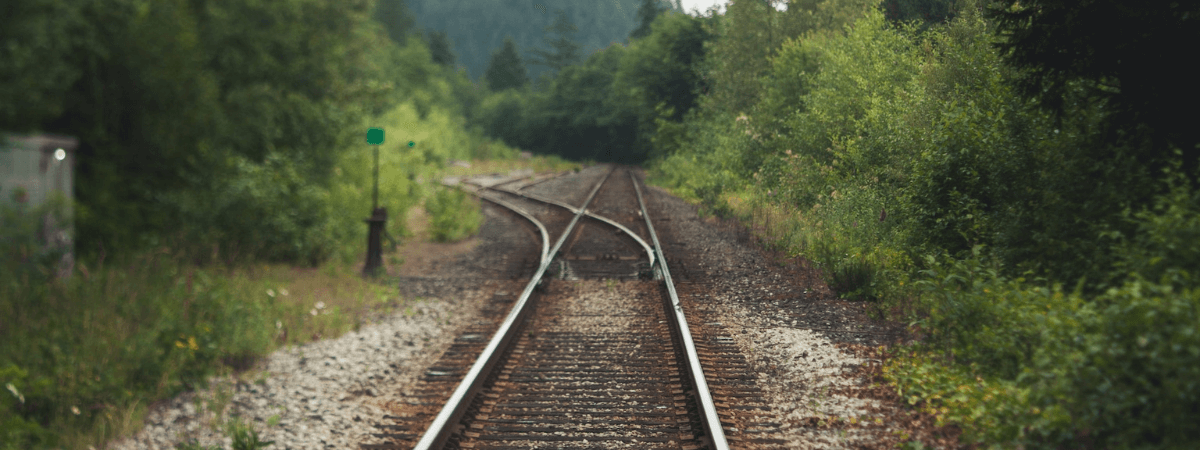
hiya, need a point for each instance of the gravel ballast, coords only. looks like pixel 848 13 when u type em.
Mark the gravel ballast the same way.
pixel 324 394
pixel 328 394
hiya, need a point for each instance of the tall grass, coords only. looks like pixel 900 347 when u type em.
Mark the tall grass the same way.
pixel 80 358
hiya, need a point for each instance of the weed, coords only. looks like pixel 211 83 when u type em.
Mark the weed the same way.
pixel 244 436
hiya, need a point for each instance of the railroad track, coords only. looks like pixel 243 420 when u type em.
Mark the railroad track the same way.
pixel 594 351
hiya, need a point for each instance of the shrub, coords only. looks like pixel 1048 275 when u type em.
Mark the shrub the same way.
pixel 24 249
pixel 453 215
pixel 1118 370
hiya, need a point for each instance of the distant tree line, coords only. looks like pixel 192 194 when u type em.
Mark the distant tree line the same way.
pixel 478 27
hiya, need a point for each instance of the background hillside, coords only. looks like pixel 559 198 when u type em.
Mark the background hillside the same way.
pixel 478 27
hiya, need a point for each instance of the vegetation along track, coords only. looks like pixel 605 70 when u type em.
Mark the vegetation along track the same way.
pixel 595 352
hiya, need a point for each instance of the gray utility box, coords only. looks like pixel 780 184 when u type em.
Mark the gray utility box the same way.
pixel 33 170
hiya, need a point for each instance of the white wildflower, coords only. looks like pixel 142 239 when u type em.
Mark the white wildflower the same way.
pixel 278 325
pixel 313 311
pixel 75 410
pixel 320 305
pixel 15 392
pixel 283 291
pixel 271 292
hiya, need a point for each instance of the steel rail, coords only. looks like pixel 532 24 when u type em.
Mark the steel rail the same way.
pixel 443 425
pixel 642 242
pixel 708 409
pixel 529 217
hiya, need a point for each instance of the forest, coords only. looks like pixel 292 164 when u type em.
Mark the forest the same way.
pixel 1013 180
pixel 474 27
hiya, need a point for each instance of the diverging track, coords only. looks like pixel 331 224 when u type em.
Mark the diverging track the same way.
pixel 594 352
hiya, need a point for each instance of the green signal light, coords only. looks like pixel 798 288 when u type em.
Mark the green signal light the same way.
pixel 375 136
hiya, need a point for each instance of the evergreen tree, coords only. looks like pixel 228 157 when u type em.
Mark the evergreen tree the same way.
pixel 440 48
pixel 564 51
pixel 395 18
pixel 649 11
pixel 925 11
pixel 506 70
pixel 1126 56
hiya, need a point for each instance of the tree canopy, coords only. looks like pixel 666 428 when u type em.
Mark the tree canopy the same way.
pixel 1125 56
pixel 175 100
pixel 646 13
pixel 440 48
pixel 396 19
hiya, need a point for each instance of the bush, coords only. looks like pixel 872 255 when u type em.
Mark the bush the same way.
pixel 1119 370
pixel 78 356
pixel 453 215
pixel 257 211
pixel 25 249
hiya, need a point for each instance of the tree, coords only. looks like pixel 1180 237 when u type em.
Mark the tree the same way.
pixel 564 51
pixel 175 100
pixel 926 11
pixel 440 48
pixel 36 71
pixel 658 78
pixel 1127 56
pixel 506 70
pixel 740 57
pixel 647 12
pixel 395 18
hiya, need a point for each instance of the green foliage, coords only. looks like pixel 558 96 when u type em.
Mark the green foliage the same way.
pixel 148 330
pixel 867 147
pixel 739 58
pixel 506 71
pixel 660 69
pixel 453 216
pixel 987 321
pixel 268 210
pixel 610 107
pixel 658 78
pixel 647 12
pixel 1116 370
pixel 1121 54
pixel 1166 234
pixel 35 73
pixel 440 49
pixel 27 250
pixel 395 18
pixel 927 12
pixel 245 437
pixel 178 94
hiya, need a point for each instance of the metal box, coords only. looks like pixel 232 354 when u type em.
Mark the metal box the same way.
pixel 33 168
